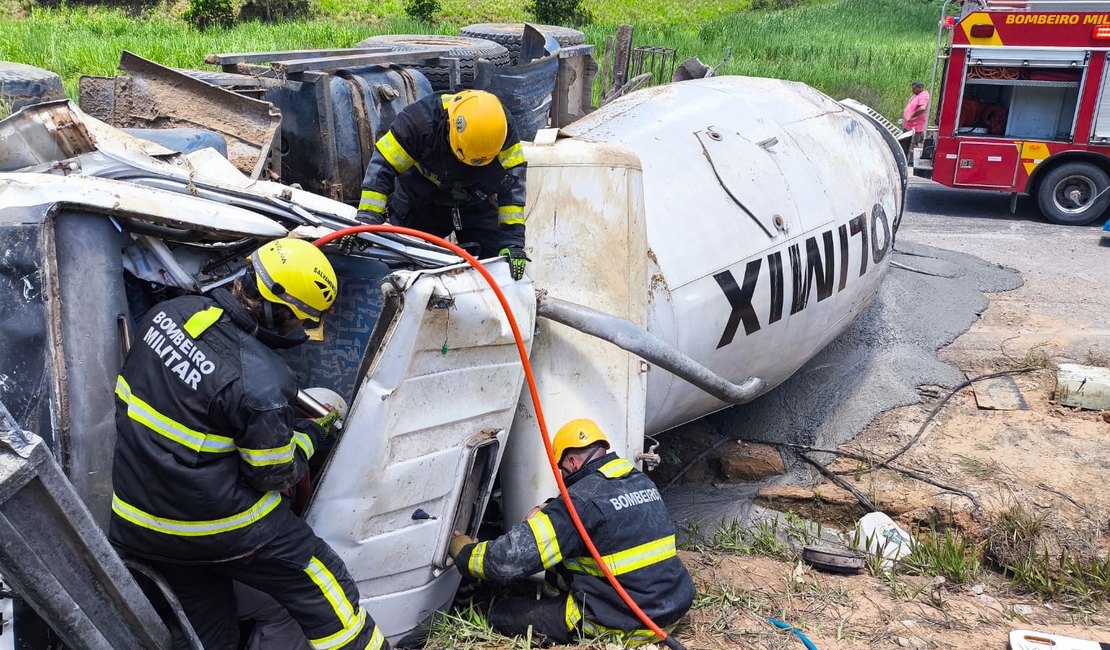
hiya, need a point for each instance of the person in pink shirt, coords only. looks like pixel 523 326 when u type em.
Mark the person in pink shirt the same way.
pixel 916 113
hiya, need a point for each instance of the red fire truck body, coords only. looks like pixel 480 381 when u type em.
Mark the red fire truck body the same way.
pixel 1023 105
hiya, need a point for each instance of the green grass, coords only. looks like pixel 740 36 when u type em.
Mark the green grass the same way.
pixel 948 554
pixel 605 12
pixel 467 629
pixel 761 538
pixel 766 537
pixel 1022 546
pixel 866 49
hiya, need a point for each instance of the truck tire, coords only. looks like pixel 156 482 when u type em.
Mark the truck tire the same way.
pixel 1074 194
pixel 511 34
pixel 22 85
pixel 461 47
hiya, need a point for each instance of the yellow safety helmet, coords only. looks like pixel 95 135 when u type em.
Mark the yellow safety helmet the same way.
pixel 577 434
pixel 294 273
pixel 476 126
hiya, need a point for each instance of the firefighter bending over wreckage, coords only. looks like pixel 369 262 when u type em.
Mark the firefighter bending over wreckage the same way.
pixel 624 515
pixel 452 162
pixel 207 442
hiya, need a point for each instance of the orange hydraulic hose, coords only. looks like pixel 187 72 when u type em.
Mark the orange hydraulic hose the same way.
pixel 670 642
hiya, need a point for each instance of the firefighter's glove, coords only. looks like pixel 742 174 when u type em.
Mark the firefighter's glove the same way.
pixel 458 542
pixel 371 218
pixel 517 260
pixel 327 423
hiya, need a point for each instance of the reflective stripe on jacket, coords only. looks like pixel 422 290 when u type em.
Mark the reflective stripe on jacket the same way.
pixel 205 436
pixel 415 151
pixel 625 516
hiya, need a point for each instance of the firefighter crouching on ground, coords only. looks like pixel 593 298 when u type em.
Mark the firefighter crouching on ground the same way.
pixel 624 515
pixel 452 162
pixel 207 441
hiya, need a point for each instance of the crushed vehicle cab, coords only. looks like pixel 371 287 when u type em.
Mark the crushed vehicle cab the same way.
pixel 415 343
pixel 693 245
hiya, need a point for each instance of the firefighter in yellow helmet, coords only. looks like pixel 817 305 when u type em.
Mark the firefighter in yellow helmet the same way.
pixel 624 515
pixel 452 162
pixel 207 441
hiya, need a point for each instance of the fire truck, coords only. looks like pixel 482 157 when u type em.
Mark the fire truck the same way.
pixel 1023 104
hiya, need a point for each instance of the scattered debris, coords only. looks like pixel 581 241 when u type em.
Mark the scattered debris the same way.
pixel 151 96
pixel 878 535
pixel 999 394
pixel 884 464
pixel 834 559
pixel 863 500
pixel 936 409
pixel 1087 387
pixel 1029 640
pixel 793 630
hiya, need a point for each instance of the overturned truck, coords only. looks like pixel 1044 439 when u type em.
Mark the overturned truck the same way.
pixel 693 245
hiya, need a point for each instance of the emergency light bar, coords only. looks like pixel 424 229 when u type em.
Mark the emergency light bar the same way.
pixel 1101 33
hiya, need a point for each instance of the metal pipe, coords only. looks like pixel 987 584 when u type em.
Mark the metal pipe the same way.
pixel 635 339
pixel 311 406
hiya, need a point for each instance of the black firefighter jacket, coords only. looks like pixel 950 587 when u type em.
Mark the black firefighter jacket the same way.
pixel 206 438
pixel 415 152
pixel 622 511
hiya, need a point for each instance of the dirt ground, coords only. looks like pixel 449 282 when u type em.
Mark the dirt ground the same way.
pixel 861 611
pixel 1049 458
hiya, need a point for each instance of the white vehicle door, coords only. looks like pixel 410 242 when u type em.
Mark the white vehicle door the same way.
pixel 437 393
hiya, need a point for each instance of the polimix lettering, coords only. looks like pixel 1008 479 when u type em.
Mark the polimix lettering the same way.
pixel 818 269
pixel 741 300
pixel 815 270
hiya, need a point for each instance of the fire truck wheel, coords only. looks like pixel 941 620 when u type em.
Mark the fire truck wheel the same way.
pixel 1074 194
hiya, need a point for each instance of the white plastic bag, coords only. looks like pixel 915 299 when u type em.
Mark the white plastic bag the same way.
pixel 878 535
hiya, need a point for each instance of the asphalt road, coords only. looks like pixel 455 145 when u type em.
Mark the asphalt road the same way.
pixel 1063 308
pixel 975 288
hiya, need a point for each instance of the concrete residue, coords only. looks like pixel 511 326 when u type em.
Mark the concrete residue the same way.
pixel 875 365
